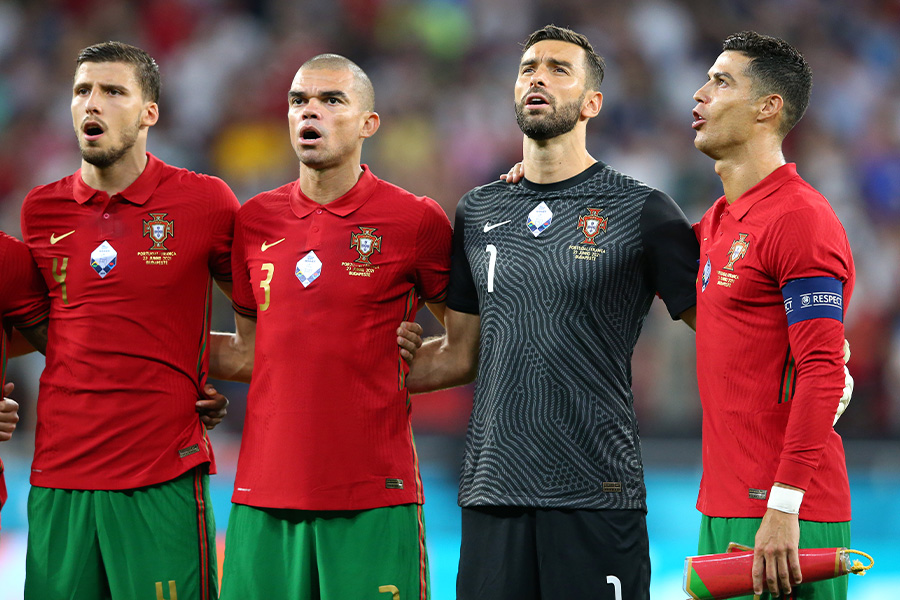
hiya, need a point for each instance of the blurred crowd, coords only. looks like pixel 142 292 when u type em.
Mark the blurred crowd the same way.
pixel 443 72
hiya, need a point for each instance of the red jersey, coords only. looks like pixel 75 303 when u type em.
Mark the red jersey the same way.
pixel 23 303
pixel 328 413
pixel 130 279
pixel 769 380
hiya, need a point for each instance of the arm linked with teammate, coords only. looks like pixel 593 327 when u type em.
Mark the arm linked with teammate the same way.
pixel 448 360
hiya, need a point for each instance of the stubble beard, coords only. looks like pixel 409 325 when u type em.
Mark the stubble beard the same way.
pixel 103 159
pixel 561 120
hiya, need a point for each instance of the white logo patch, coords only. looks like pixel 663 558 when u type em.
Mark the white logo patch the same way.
pixel 308 269
pixel 103 259
pixel 539 219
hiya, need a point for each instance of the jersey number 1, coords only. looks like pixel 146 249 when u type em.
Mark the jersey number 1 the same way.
pixel 492 265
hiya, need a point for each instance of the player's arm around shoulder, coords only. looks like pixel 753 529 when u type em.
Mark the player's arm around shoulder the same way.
pixel 448 360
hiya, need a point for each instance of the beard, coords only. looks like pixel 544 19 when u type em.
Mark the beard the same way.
pixel 561 120
pixel 103 159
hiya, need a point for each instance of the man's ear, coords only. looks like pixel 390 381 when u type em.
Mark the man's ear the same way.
pixel 593 102
pixel 770 107
pixel 370 125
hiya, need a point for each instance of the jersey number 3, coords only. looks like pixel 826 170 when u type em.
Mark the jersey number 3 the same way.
pixel 269 268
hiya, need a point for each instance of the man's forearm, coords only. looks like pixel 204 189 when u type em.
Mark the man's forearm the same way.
pixel 228 360
pixel 449 360
pixel 437 368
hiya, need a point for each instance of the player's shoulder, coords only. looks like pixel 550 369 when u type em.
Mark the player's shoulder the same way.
pixel 59 189
pixel 9 243
pixel 492 191
pixel 610 177
pixel 264 204
pixel 420 209
pixel 391 192
pixel 190 181
pixel 263 200
pixel 798 199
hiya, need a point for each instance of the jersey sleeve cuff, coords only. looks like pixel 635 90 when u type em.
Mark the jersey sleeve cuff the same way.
pixel 33 319
pixel 794 474
pixel 442 297
pixel 241 310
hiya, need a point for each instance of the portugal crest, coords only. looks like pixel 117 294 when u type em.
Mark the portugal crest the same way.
pixel 366 243
pixel 159 230
pixel 737 251
pixel 590 225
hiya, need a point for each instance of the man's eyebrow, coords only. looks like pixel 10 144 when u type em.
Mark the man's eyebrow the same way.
pixel 722 75
pixel 325 94
pixel 103 86
pixel 553 61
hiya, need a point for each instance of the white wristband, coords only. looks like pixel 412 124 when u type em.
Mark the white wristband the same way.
pixel 785 499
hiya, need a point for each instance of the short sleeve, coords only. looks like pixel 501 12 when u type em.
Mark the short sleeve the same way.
pixel 25 302
pixel 242 299
pixel 223 207
pixel 462 295
pixel 433 253
pixel 672 252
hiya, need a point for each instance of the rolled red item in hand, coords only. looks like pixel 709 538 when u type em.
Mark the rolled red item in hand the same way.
pixel 727 575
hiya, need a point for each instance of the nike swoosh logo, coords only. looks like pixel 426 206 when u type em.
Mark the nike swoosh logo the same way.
pixel 495 225
pixel 54 238
pixel 266 246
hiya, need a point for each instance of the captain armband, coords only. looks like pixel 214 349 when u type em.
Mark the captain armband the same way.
pixel 786 500
pixel 813 298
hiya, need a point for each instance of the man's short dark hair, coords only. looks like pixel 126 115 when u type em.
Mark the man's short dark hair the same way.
pixel 775 67
pixel 361 80
pixel 145 68
pixel 593 62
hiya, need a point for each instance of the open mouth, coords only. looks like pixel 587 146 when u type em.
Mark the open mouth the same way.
pixel 698 120
pixel 536 100
pixel 309 134
pixel 92 130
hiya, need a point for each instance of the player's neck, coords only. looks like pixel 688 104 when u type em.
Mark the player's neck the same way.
pixel 328 184
pixel 117 176
pixel 746 166
pixel 556 159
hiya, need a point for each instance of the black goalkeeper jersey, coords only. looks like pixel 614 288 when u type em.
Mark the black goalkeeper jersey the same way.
pixel 562 276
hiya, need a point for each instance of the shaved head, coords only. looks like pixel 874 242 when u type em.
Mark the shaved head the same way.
pixel 361 83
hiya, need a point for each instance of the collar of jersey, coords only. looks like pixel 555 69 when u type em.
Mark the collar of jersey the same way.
pixel 765 188
pixel 565 183
pixel 302 206
pixel 136 193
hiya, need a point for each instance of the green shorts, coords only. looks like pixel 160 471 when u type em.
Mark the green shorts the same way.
pixel 716 533
pixel 151 542
pixel 376 554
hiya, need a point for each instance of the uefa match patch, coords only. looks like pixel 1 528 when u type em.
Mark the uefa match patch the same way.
pixel 308 269
pixel 539 219
pixel 103 259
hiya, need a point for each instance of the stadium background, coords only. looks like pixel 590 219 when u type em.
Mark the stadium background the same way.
pixel 443 72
